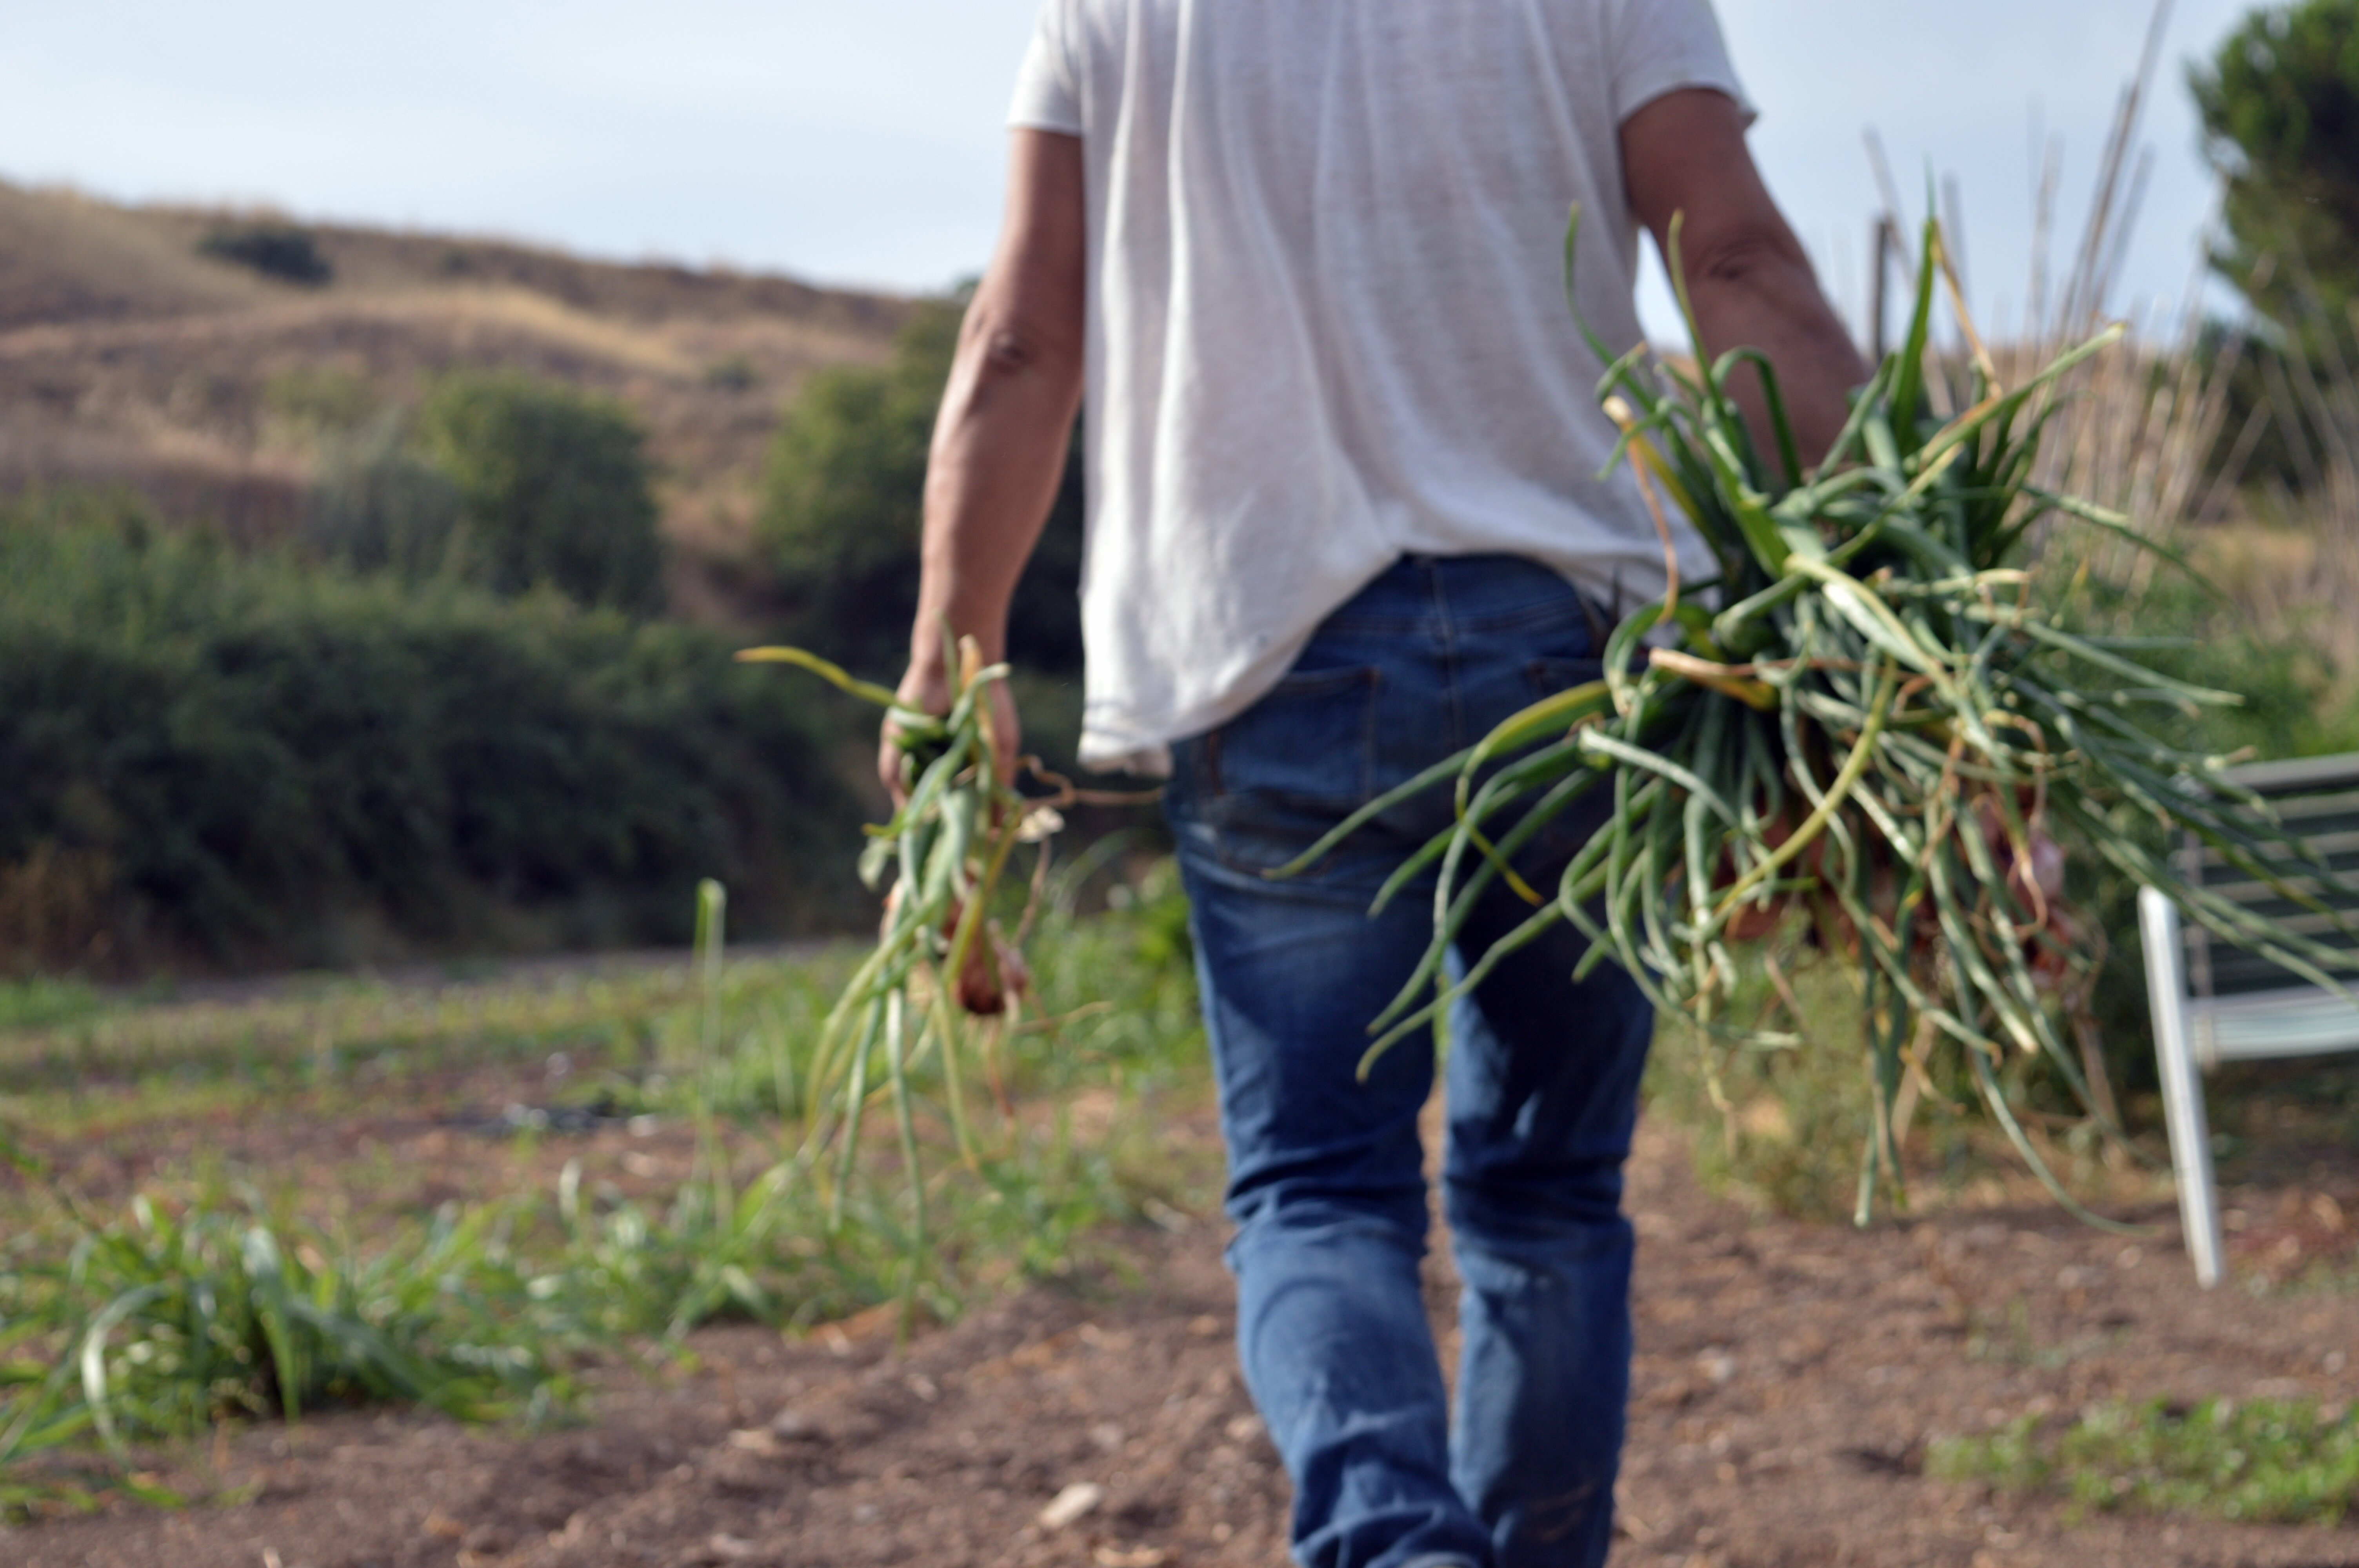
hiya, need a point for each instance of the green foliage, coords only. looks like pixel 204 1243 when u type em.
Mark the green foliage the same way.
pixel 1771 756
pixel 207 1307
pixel 2291 708
pixel 1782 1125
pixel 173 1320
pixel 2260 1462
pixel 246 758
pixel 553 487
pixel 319 401
pixel 924 1008
pixel 843 493
pixel 2279 101
pixel 376 506
pixel 276 250
pixel 39 1003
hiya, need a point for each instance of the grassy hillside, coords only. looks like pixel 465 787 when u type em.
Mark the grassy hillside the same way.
pixel 129 355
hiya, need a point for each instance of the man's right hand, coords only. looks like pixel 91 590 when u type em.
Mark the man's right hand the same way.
pixel 926 689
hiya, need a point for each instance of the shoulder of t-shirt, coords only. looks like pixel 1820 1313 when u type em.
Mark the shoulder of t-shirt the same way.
pixel 1049 87
pixel 1662 46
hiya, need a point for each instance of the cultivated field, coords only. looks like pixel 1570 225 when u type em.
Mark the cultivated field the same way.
pixel 1796 1379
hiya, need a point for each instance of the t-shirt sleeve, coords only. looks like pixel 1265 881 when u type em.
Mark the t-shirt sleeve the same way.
pixel 1047 96
pixel 1662 46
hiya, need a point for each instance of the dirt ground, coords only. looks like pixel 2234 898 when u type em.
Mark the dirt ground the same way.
pixel 1789 1379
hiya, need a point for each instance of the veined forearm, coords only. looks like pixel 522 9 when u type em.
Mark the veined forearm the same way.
pixel 1771 302
pixel 1685 159
pixel 998 455
pixel 1006 415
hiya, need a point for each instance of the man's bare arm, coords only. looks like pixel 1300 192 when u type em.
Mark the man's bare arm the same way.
pixel 1748 276
pixel 1006 417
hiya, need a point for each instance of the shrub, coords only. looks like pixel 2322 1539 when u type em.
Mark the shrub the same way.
pixel 315 401
pixel 275 250
pixel 376 506
pixel 264 761
pixel 2293 708
pixel 554 488
pixel 844 495
pixel 734 373
pixel 2257 1461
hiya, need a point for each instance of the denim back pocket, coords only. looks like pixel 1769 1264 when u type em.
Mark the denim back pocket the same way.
pixel 1308 746
pixel 1259 791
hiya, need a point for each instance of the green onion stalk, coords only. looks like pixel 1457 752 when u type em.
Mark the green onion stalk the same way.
pixel 1867 713
pixel 941 961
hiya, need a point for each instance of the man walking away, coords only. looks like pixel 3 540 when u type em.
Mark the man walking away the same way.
pixel 1344 515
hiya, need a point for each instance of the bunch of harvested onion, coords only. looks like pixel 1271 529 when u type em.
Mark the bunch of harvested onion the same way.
pixel 1867 713
pixel 940 959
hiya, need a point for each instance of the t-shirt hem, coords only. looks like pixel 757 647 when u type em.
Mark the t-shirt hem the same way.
pixel 1677 81
pixel 1061 125
pixel 1113 757
pixel 1146 747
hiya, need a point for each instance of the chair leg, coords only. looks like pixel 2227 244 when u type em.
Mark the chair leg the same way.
pixel 2182 1084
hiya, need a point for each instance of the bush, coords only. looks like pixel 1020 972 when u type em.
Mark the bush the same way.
pixel 2292 707
pixel 313 402
pixel 554 488
pixel 250 760
pixel 844 496
pixel 376 506
pixel 281 251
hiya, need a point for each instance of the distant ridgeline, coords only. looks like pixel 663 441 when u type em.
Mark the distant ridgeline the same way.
pixel 176 350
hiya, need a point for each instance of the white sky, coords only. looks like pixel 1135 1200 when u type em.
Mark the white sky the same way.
pixel 858 141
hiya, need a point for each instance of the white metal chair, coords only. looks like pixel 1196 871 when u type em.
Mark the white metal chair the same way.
pixel 2213 1002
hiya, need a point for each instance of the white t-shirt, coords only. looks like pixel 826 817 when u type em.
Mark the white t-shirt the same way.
pixel 1327 322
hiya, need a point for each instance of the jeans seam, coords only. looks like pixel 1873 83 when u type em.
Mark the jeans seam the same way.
pixel 1446 634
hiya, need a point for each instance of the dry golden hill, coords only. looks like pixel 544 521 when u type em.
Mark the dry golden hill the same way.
pixel 129 356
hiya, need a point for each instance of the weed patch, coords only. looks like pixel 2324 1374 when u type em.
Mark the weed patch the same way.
pixel 195 1301
pixel 2261 1461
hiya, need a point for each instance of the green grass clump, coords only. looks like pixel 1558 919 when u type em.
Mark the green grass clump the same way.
pixel 2260 1462
pixel 188 1303
pixel 39 1003
pixel 158 1323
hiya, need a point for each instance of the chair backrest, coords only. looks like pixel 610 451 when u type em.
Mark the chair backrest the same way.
pixel 2317 798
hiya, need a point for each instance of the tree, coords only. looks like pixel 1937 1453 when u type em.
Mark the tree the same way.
pixel 275 250
pixel 375 505
pixel 554 488
pixel 2279 101
pixel 843 494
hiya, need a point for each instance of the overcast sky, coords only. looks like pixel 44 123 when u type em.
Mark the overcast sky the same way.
pixel 858 141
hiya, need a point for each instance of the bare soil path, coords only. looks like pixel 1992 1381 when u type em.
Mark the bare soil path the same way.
pixel 1789 1379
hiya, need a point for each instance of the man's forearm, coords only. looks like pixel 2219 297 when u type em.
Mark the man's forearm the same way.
pixel 1688 172
pixel 998 455
pixel 1007 414
pixel 1765 298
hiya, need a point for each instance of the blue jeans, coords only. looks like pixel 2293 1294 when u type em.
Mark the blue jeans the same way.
pixel 1326 1181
